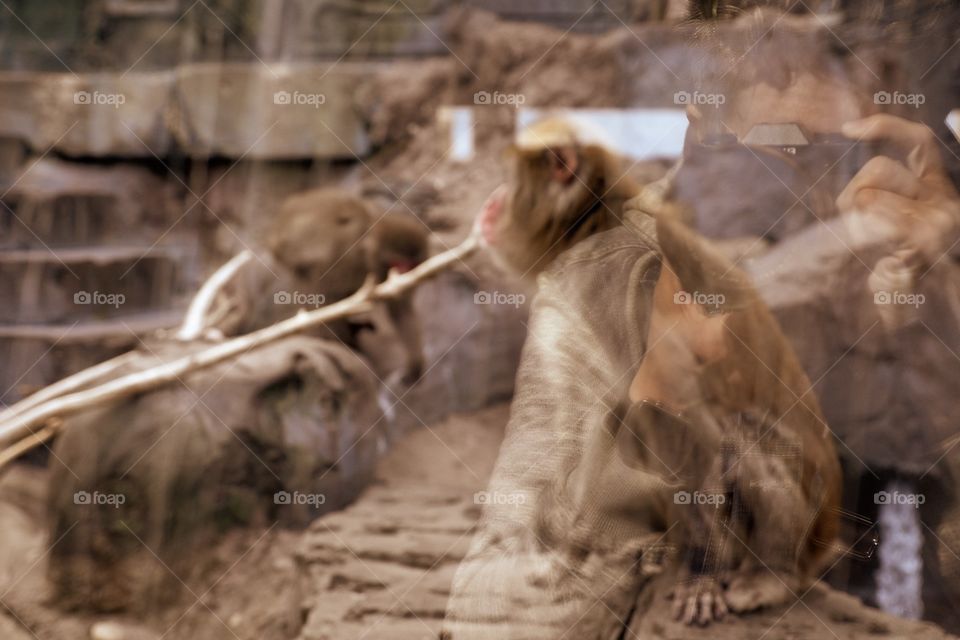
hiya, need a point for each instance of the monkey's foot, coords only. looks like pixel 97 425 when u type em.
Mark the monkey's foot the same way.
pixel 698 600
pixel 758 589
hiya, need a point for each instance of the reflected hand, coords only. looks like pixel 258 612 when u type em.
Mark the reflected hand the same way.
pixel 916 197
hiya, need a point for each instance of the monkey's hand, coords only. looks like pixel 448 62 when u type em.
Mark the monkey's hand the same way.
pixel 698 599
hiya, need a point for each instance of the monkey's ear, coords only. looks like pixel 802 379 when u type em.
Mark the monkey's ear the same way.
pixel 563 164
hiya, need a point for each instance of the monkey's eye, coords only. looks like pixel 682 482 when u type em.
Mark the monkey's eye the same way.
pixel 342 220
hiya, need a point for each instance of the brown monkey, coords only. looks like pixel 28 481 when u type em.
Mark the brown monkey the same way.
pixel 633 399
pixel 559 192
pixel 318 236
pixel 321 247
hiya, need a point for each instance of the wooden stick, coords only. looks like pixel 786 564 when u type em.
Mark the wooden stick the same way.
pixel 23 422
pixel 66 385
pixel 199 309
pixel 191 329
pixel 36 438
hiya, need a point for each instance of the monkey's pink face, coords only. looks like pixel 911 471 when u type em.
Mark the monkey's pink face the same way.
pixel 488 219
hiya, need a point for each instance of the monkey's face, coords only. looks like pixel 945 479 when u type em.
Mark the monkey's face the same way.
pixel 549 195
pixel 311 236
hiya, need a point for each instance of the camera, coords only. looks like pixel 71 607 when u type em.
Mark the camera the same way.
pixel 790 144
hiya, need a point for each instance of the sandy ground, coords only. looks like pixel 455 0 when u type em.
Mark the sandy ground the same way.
pixel 380 569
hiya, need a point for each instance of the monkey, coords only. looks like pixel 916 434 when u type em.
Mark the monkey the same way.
pixel 320 248
pixel 567 191
pixel 651 396
pixel 195 457
pixel 318 236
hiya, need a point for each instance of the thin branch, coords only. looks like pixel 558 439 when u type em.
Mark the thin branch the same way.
pixel 35 439
pixel 67 385
pixel 199 310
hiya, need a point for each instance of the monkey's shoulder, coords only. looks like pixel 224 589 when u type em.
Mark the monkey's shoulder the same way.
pixel 608 253
pixel 597 293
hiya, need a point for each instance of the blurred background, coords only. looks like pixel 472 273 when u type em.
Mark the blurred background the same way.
pixel 143 143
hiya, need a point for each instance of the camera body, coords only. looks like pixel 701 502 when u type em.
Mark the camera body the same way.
pixel 817 154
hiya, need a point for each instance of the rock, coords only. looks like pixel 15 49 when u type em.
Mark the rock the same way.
pixel 275 112
pixel 472 349
pixel 99 114
pixel 282 434
pixel 817 613
pixel 358 29
pixel 115 114
pixel 887 395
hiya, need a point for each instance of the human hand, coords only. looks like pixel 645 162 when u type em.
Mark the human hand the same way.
pixel 915 197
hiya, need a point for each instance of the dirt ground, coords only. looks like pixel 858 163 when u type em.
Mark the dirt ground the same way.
pixel 381 569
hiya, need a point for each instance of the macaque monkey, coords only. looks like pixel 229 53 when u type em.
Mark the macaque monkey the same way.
pixel 559 192
pixel 716 405
pixel 322 245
